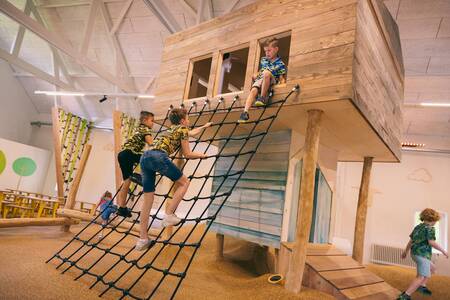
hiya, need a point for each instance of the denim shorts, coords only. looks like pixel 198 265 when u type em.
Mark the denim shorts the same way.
pixel 423 265
pixel 153 161
pixel 107 209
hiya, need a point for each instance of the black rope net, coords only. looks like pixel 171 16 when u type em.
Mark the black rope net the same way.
pixel 110 264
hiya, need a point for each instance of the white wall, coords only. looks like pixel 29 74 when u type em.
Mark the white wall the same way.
pixel 397 191
pixel 13 151
pixel 17 110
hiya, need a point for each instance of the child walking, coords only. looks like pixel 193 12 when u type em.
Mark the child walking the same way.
pixel 272 70
pixel 157 160
pixel 131 155
pixel 422 240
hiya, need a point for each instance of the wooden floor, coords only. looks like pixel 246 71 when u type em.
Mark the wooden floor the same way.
pixel 332 271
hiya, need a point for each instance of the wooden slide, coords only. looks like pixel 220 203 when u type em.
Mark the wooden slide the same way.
pixel 333 272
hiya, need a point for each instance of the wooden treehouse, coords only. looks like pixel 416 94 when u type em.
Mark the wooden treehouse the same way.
pixel 346 56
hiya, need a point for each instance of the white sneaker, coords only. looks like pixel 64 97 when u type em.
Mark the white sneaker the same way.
pixel 142 244
pixel 100 235
pixel 171 220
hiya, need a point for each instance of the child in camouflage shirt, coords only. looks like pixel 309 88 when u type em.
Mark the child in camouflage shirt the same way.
pixel 157 160
pixel 422 240
pixel 131 155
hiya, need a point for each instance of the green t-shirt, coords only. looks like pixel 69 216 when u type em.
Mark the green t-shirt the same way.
pixel 137 142
pixel 420 236
pixel 171 141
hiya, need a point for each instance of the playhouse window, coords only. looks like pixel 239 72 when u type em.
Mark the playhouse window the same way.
pixel 284 45
pixel 231 73
pixel 200 70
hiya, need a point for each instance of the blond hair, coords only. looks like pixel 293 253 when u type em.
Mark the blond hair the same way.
pixel 429 215
pixel 273 41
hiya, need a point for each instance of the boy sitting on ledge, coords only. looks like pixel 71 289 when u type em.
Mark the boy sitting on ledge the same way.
pixel 272 71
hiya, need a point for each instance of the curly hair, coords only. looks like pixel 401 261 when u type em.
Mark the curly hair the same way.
pixel 176 115
pixel 429 215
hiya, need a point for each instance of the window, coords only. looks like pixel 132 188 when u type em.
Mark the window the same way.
pixel 284 45
pixel 440 228
pixel 199 71
pixel 232 71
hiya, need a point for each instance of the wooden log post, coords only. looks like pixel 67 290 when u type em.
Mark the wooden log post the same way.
pixel 220 239
pixel 57 151
pixel 306 199
pixel 117 127
pixel 361 211
pixel 22 222
pixel 70 203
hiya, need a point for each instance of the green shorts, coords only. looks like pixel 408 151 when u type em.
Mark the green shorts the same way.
pixel 423 265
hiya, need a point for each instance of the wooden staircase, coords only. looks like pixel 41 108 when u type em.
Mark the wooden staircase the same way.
pixel 333 272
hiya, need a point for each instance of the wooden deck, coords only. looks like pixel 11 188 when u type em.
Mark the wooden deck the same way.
pixel 331 271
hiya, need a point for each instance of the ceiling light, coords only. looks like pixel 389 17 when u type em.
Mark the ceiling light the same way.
pixel 435 104
pixel 103 99
pixel 54 93
pixel 146 96
pixel 412 145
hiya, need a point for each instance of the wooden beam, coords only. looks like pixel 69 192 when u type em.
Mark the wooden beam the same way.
pixel 56 41
pixel 232 6
pixel 33 70
pixel 17 44
pixel 188 8
pixel 75 214
pixel 200 9
pixel 361 211
pixel 209 10
pixel 306 202
pixel 117 127
pixel 22 222
pixel 220 239
pixel 70 203
pixel 65 3
pixel 163 14
pixel 89 28
pixel 122 15
pixel 121 63
pixel 57 152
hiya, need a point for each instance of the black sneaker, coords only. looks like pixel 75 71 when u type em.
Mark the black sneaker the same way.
pixel 124 212
pixel 404 296
pixel 424 290
pixel 244 117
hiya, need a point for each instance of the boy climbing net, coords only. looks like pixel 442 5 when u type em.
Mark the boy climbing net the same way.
pixel 272 70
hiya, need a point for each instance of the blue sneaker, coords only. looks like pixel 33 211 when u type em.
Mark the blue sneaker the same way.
pixel 424 290
pixel 244 117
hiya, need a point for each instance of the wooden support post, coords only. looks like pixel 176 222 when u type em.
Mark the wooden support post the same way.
pixel 57 152
pixel 117 127
pixel 22 222
pixel 361 211
pixel 220 239
pixel 306 199
pixel 70 203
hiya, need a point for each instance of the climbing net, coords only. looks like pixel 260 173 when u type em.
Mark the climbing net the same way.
pixel 110 260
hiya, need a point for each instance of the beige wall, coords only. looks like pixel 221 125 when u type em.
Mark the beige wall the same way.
pixel 398 191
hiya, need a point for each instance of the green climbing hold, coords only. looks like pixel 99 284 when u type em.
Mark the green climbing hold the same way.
pixel 24 166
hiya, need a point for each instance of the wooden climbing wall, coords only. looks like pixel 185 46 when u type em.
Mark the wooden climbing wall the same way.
pixel 73 133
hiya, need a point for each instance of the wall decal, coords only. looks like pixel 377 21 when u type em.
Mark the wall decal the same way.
pixel 421 174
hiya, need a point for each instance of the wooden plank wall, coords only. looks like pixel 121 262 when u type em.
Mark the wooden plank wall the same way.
pixel 322 43
pixel 254 211
pixel 378 75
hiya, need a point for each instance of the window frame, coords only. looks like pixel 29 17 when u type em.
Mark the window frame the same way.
pixel 187 86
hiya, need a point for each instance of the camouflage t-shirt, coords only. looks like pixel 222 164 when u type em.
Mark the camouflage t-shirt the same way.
pixel 276 67
pixel 171 140
pixel 420 236
pixel 137 142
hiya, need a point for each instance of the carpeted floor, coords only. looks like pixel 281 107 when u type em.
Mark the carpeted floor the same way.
pixel 24 275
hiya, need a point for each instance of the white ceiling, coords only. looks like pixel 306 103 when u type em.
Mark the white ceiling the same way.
pixel 424 32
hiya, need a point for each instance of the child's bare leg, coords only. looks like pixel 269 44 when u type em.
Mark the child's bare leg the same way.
pixel 180 191
pixel 251 98
pixel 122 196
pixel 415 284
pixel 267 78
pixel 145 213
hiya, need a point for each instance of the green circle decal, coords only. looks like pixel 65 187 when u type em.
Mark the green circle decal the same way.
pixel 24 166
pixel 2 161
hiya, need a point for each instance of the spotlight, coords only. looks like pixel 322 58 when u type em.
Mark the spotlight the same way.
pixel 103 99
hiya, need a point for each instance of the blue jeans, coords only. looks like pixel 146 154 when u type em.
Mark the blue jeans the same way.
pixel 107 209
pixel 423 265
pixel 153 161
